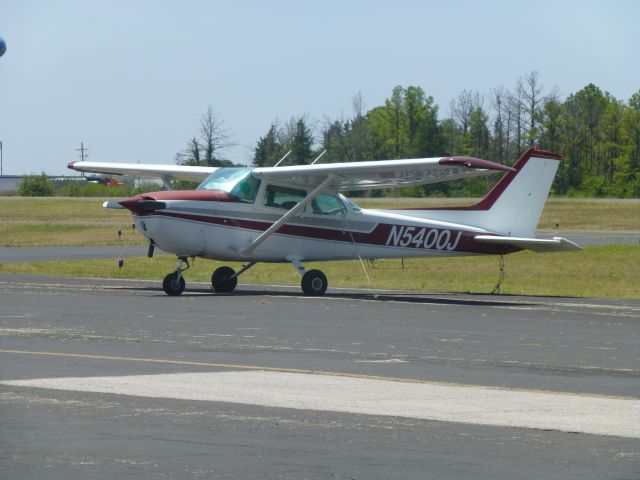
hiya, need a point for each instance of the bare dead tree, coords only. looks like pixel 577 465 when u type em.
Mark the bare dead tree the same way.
pixel 359 129
pixel 214 137
pixel 462 107
pixel 498 99
pixel 532 98
pixel 358 104
pixel 516 107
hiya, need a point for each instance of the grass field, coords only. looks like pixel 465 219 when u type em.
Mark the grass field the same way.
pixel 567 213
pixel 83 221
pixel 609 271
pixel 32 222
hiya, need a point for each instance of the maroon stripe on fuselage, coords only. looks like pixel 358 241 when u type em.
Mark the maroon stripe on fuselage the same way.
pixel 379 236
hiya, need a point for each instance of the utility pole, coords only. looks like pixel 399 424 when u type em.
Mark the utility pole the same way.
pixel 82 150
pixel 0 158
pixel 82 154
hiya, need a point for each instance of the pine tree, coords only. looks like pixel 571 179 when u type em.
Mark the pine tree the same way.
pixel 301 144
pixel 268 149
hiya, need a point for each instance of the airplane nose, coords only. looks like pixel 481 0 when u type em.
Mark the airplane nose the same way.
pixel 141 204
pixel 132 204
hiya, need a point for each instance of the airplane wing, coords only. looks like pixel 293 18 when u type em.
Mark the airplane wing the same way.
pixel 365 176
pixel 555 244
pixel 381 174
pixel 166 172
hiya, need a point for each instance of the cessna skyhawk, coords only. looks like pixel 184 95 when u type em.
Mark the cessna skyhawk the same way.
pixel 298 214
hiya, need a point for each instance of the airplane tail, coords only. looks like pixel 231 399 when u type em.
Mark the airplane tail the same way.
pixel 514 205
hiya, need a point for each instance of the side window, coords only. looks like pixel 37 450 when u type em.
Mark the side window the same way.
pixel 282 197
pixel 325 204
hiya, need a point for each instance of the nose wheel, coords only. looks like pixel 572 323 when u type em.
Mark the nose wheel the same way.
pixel 173 284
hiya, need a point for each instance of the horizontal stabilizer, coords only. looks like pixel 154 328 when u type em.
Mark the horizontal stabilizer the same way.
pixel 555 244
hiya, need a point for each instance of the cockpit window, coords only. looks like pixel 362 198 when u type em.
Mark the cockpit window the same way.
pixel 237 182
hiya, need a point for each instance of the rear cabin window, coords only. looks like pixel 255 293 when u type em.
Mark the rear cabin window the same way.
pixel 282 197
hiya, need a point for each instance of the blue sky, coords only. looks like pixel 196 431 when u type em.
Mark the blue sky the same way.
pixel 131 79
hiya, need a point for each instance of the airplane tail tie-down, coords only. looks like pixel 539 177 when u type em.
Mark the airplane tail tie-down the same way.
pixel 512 209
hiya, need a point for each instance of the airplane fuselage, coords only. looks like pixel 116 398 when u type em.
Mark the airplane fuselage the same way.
pixel 222 230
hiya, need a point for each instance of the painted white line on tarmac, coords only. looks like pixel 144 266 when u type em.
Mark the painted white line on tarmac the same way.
pixel 451 403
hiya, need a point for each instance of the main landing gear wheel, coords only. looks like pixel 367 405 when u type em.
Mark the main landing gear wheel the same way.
pixel 314 283
pixel 173 284
pixel 221 280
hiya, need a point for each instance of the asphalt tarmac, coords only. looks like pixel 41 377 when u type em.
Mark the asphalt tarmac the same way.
pixel 113 379
pixel 43 254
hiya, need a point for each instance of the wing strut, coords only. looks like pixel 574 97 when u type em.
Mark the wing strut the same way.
pixel 166 181
pixel 282 220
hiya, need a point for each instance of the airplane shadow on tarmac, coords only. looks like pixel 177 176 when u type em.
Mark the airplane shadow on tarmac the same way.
pixel 442 298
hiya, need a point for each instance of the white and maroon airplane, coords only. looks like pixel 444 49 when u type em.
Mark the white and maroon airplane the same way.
pixel 298 214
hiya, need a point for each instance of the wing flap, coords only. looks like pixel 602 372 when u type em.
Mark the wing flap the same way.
pixel 541 245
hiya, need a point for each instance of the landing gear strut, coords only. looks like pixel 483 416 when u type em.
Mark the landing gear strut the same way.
pixel 314 283
pixel 173 284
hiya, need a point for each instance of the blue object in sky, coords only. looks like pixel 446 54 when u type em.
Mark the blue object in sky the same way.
pixel 3 46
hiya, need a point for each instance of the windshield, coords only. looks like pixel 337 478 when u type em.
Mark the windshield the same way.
pixel 237 182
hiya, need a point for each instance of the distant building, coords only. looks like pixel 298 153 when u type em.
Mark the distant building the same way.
pixel 10 183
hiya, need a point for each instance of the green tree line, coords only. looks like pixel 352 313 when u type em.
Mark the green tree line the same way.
pixel 598 134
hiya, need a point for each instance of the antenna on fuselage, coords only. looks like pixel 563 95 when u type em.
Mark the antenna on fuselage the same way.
pixel 285 156
pixel 319 157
